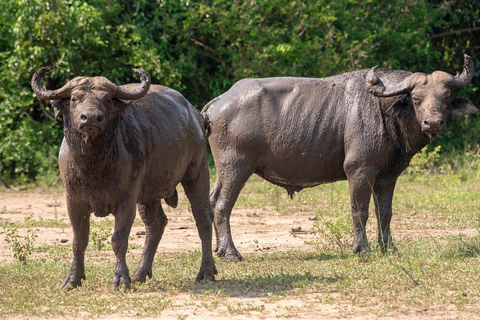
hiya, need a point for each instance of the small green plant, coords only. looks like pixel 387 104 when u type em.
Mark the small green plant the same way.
pixel 333 233
pixel 275 194
pixel 21 247
pixel 99 236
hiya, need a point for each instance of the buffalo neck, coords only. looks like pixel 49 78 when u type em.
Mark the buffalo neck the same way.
pixel 94 156
pixel 406 134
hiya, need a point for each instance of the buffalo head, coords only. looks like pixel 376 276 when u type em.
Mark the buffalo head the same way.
pixel 429 94
pixel 87 104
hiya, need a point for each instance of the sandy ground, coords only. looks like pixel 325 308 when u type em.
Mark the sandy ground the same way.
pixel 254 230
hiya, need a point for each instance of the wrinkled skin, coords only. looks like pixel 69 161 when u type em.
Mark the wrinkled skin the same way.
pixel 363 126
pixel 118 154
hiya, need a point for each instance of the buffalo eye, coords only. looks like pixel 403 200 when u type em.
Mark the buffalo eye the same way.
pixel 74 99
pixel 447 96
pixel 416 100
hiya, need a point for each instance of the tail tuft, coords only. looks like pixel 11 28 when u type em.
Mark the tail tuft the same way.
pixel 207 125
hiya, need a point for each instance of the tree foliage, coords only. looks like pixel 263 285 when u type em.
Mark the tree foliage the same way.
pixel 202 47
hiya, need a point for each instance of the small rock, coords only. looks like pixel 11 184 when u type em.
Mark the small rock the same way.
pixel 299 229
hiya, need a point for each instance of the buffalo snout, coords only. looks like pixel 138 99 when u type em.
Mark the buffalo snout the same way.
pixel 433 125
pixel 91 123
pixel 91 117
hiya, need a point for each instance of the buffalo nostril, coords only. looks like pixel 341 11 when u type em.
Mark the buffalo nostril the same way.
pixel 83 117
pixel 100 118
pixel 442 122
pixel 425 122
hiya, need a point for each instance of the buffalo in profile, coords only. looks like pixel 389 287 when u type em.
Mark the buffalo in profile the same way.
pixel 123 146
pixel 363 126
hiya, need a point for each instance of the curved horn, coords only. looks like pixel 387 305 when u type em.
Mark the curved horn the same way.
pixel 42 93
pixel 376 87
pixel 466 76
pixel 138 92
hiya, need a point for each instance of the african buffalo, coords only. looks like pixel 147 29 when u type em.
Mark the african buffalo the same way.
pixel 125 145
pixel 364 126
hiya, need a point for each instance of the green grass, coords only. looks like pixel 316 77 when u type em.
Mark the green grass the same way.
pixel 427 270
pixel 422 273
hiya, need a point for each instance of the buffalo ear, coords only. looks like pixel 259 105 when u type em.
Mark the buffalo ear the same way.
pixel 119 107
pixel 59 106
pixel 398 106
pixel 462 107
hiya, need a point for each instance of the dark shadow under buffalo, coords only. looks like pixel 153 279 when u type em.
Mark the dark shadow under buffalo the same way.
pixel 364 126
pixel 118 153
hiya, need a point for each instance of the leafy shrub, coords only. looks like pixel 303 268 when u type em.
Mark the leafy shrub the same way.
pixel 425 162
pixel 202 47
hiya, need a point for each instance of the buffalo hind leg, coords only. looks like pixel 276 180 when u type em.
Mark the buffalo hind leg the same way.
pixel 231 178
pixel 196 184
pixel 383 195
pixel 360 181
pixel 80 220
pixel 155 221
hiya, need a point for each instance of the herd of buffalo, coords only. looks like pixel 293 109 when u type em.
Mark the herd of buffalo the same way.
pixel 128 147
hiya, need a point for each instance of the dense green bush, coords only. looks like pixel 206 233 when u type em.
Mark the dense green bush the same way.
pixel 202 47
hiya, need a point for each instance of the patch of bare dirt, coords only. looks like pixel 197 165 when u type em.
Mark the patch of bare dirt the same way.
pixel 254 230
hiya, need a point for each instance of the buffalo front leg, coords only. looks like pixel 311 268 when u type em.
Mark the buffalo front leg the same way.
pixel 383 195
pixel 80 220
pixel 231 178
pixel 155 221
pixel 360 182
pixel 124 216
pixel 196 186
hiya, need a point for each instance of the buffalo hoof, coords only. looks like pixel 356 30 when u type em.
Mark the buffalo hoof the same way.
pixel 121 281
pixel 72 282
pixel 140 275
pixel 361 249
pixel 207 274
pixel 231 256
